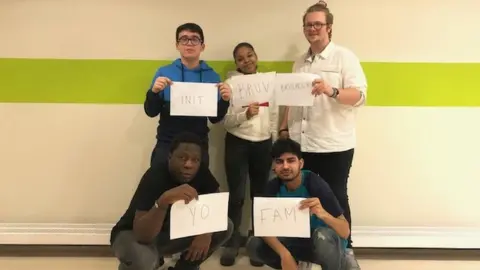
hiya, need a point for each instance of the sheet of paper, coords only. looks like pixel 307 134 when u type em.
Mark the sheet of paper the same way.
pixel 280 217
pixel 251 88
pixel 294 89
pixel 206 215
pixel 193 99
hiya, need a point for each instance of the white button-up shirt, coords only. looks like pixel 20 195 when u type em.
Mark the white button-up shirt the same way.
pixel 328 126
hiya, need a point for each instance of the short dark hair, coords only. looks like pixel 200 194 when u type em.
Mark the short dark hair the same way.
pixel 185 137
pixel 241 45
pixel 192 27
pixel 282 146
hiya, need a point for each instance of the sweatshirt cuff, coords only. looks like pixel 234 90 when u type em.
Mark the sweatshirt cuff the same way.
pixel 242 117
pixel 151 94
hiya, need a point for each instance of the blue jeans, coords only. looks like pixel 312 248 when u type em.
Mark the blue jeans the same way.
pixel 325 248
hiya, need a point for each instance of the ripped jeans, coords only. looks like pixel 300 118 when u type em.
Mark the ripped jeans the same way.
pixel 325 248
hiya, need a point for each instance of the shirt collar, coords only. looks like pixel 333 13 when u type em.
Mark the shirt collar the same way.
pixel 322 55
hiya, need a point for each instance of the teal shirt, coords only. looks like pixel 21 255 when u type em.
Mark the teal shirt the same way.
pixel 302 192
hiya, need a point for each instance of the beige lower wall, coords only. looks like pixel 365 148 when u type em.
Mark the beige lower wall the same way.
pixel 68 163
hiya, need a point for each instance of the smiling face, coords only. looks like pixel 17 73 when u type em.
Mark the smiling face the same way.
pixel 184 161
pixel 246 60
pixel 190 45
pixel 315 27
pixel 288 167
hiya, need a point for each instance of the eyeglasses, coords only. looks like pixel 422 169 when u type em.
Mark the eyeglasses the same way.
pixel 184 40
pixel 315 25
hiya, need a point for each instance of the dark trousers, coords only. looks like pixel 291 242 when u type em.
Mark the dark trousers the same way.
pixel 324 248
pixel 245 159
pixel 334 168
pixel 135 256
pixel 162 150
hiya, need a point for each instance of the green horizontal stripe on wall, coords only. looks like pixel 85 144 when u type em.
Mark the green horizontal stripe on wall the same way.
pixel 125 81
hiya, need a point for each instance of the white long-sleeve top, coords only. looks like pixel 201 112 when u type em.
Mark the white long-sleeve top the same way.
pixel 260 127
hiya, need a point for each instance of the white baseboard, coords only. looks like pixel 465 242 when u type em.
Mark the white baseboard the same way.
pixel 367 237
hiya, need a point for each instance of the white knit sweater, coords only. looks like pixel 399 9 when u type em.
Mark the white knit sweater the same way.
pixel 260 127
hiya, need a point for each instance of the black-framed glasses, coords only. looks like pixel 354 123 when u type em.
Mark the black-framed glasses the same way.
pixel 315 25
pixel 184 40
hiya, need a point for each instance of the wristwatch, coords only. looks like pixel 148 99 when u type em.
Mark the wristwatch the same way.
pixel 335 92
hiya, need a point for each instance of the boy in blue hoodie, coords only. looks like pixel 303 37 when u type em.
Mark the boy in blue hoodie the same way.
pixel 188 68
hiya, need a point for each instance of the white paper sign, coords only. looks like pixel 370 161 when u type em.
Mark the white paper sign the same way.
pixel 294 89
pixel 206 215
pixel 251 88
pixel 193 99
pixel 280 217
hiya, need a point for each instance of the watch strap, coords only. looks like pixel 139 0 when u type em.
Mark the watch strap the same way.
pixel 335 92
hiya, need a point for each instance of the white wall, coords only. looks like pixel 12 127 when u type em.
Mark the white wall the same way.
pixel 64 163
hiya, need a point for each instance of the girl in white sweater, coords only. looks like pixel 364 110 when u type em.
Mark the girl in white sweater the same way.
pixel 248 142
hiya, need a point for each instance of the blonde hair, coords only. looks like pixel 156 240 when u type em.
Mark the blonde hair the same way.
pixel 321 6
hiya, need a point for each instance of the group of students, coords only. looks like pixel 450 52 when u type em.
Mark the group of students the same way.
pixel 310 151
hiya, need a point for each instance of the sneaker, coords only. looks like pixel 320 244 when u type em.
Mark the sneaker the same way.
pixel 182 267
pixel 230 252
pixel 229 255
pixel 352 263
pixel 253 263
pixel 308 266
pixel 256 263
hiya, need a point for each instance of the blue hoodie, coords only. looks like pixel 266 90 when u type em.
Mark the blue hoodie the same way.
pixel 159 104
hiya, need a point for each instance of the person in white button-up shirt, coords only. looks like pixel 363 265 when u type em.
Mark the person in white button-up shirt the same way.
pixel 248 144
pixel 326 131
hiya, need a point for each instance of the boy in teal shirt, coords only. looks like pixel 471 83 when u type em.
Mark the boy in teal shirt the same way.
pixel 330 229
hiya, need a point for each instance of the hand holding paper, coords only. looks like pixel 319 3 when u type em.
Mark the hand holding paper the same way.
pixel 184 193
pixel 225 91
pixel 314 205
pixel 321 87
pixel 160 84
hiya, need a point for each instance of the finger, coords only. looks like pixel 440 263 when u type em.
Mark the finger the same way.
pixel 190 190
pixel 205 253
pixel 189 254
pixel 311 204
pixel 194 255
pixel 187 197
pixel 192 194
pixel 317 81
pixel 223 91
pixel 199 255
pixel 308 201
pixel 168 81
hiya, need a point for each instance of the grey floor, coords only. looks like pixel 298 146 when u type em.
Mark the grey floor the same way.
pixel 105 263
